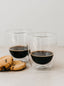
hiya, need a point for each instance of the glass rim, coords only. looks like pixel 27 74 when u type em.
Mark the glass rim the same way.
pixel 42 34
pixel 18 32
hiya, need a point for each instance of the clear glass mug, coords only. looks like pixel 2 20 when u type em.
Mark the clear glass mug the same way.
pixel 18 45
pixel 42 49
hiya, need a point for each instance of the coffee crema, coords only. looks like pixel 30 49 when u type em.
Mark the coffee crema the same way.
pixel 42 57
pixel 19 51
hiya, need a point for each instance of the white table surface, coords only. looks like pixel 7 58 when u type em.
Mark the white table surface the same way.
pixel 31 77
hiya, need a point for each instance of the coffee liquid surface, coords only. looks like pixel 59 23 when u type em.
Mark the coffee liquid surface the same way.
pixel 42 57
pixel 19 51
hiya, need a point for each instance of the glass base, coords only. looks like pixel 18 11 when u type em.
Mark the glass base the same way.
pixel 42 67
pixel 25 59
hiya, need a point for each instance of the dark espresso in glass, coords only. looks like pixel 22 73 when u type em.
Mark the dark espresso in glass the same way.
pixel 19 51
pixel 42 57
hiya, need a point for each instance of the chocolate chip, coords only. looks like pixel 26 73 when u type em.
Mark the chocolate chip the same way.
pixel 6 60
pixel 12 68
pixel 12 59
pixel 3 68
pixel 13 64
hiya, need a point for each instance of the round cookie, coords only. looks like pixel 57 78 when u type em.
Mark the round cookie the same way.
pixel 18 65
pixel 6 62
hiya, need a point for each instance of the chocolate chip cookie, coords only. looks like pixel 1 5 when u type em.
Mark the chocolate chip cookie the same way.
pixel 17 65
pixel 5 62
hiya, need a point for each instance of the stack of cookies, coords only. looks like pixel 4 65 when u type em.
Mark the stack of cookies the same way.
pixel 7 63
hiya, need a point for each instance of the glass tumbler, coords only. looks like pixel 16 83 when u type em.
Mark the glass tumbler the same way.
pixel 42 49
pixel 18 45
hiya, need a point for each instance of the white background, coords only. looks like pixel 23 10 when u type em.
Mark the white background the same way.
pixel 38 15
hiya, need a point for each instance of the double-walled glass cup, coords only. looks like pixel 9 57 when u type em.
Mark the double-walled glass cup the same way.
pixel 18 45
pixel 42 49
